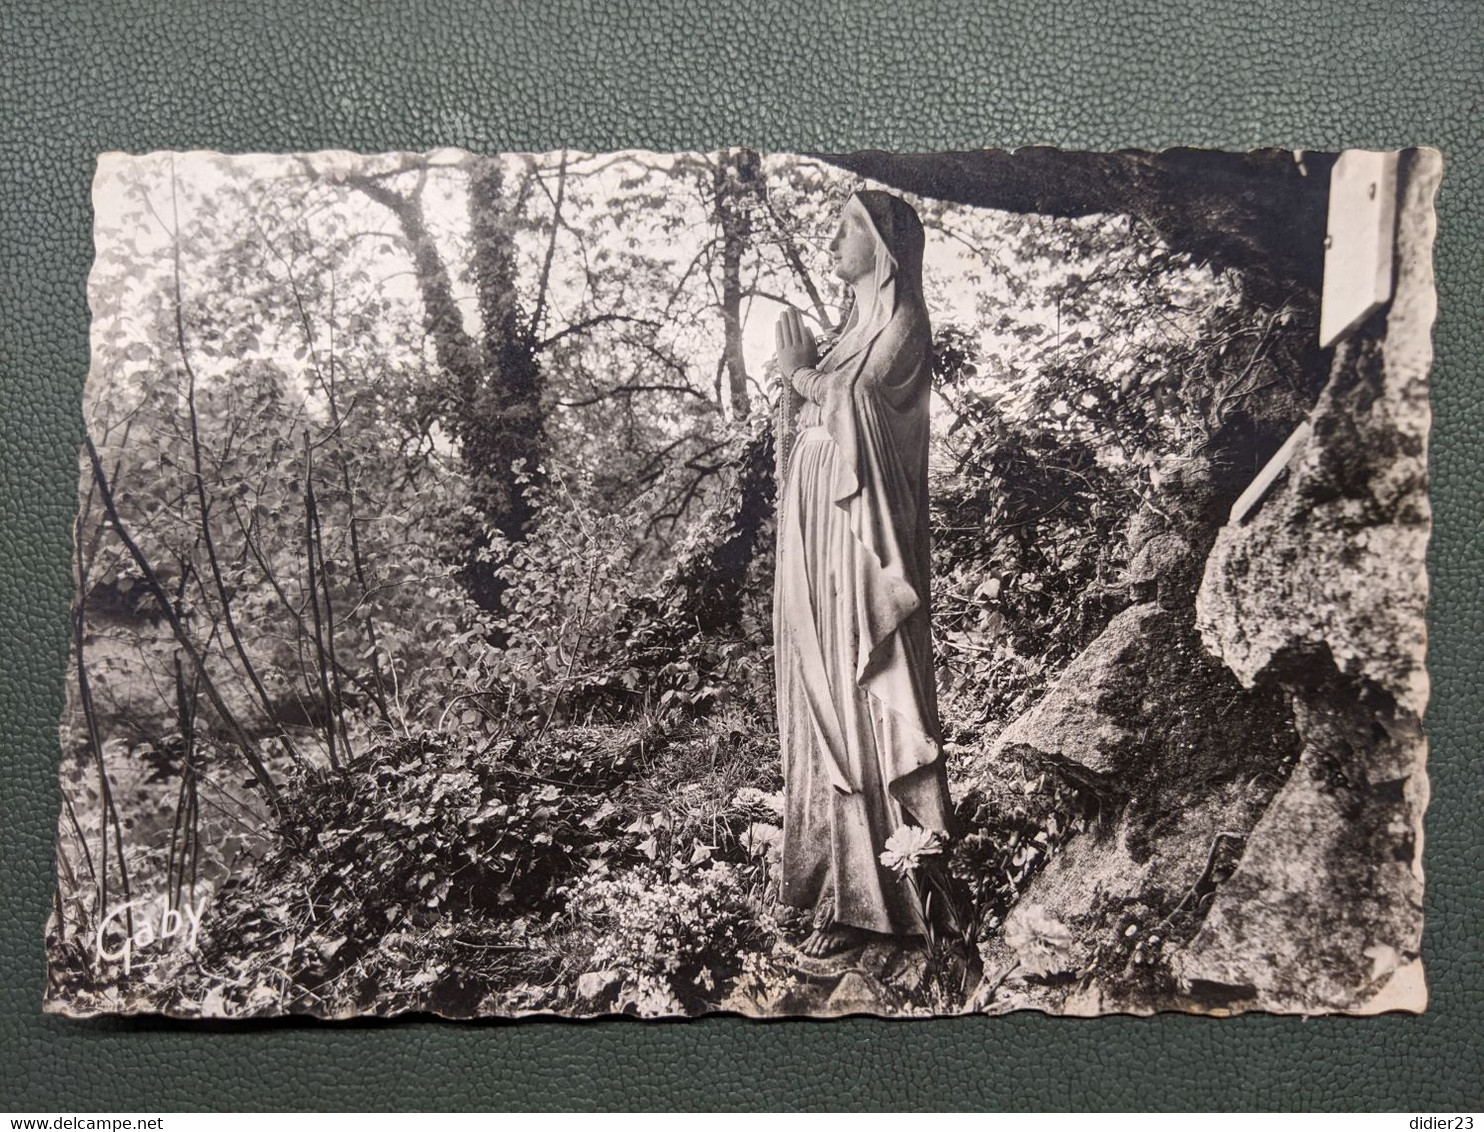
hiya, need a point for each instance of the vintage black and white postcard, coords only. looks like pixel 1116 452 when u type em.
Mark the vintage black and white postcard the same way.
pixel 661 584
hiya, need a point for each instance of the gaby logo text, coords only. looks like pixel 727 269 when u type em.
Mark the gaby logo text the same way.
pixel 153 923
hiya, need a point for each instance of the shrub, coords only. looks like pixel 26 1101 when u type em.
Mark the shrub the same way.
pixel 592 627
pixel 671 940
pixel 408 879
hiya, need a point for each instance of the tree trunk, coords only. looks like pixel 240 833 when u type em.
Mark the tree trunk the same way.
pixel 736 184
pixel 501 421
pixel 494 410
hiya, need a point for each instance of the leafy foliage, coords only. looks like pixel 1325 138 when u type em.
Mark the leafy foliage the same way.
pixel 418 850
pixel 1015 825
pixel 673 941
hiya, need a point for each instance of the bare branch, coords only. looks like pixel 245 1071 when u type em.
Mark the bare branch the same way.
pixel 151 579
pixel 539 313
pixel 589 323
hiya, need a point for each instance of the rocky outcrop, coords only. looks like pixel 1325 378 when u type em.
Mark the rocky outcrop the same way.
pixel 1168 543
pixel 1182 761
pixel 1325 909
pixel 1081 722
pixel 1332 566
pixel 1144 710
pixel 1322 594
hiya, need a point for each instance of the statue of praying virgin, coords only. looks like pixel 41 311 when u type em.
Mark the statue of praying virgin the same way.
pixel 857 707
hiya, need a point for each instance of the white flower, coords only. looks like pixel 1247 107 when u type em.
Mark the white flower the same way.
pixel 1042 943
pixel 908 845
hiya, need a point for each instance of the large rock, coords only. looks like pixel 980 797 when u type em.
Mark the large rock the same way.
pixel 1144 709
pixel 1081 721
pixel 1095 930
pixel 1168 542
pixel 1260 811
pixel 1325 910
pixel 1182 761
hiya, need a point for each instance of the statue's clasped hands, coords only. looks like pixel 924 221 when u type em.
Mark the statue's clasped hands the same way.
pixel 797 348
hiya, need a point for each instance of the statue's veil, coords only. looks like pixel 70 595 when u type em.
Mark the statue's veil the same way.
pixel 896 281
pixel 897 277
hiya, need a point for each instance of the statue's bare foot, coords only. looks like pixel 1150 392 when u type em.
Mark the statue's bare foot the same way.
pixel 831 940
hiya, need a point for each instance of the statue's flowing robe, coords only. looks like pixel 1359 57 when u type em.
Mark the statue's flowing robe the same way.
pixel 858 723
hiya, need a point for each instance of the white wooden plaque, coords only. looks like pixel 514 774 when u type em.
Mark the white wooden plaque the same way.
pixel 1359 242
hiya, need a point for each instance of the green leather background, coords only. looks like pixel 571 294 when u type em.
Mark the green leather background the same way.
pixel 79 78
